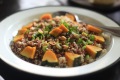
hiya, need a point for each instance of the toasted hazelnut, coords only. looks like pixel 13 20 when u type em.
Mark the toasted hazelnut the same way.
pixel 63 38
pixel 65 47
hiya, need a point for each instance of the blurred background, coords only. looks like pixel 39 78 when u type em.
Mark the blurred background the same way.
pixel 110 8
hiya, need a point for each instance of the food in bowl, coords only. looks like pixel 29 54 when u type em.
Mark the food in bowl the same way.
pixel 58 42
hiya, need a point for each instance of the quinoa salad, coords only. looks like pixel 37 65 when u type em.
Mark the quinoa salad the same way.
pixel 58 41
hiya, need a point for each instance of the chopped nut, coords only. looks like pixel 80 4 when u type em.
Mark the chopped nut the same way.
pixel 65 47
pixel 63 38
pixel 52 43
pixel 35 24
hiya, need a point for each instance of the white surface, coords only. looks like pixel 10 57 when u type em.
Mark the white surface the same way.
pixel 24 4
pixel 1 78
pixel 10 25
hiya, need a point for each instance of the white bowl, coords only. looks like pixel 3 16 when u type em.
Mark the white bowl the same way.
pixel 10 26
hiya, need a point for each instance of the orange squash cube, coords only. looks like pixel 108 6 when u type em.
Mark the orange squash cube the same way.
pixel 99 39
pixel 22 31
pixel 64 29
pixel 55 32
pixel 93 50
pixel 28 26
pixel 50 56
pixel 70 16
pixel 72 59
pixel 94 29
pixel 46 16
pixel 18 38
pixel 29 52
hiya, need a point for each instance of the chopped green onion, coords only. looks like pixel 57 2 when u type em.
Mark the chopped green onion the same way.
pixel 79 41
pixel 46 32
pixel 61 21
pixel 40 31
pixel 65 24
pixel 76 35
pixel 92 37
pixel 44 48
pixel 44 45
pixel 58 45
pixel 83 47
pixel 67 44
pixel 84 43
pixel 48 28
pixel 89 42
pixel 38 34
pixel 52 22
pixel 68 40
pixel 72 40
pixel 87 57
pixel 73 29
pixel 84 33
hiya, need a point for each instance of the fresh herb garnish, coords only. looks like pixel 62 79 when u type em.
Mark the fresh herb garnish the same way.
pixel 73 29
pixel 44 48
pixel 87 57
pixel 48 28
pixel 83 47
pixel 84 33
pixel 89 42
pixel 44 45
pixel 38 34
pixel 79 41
pixel 91 37
pixel 58 45
pixel 84 42
pixel 65 24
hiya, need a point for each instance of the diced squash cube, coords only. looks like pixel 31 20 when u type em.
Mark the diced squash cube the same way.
pixel 49 58
pixel 93 51
pixel 70 16
pixel 28 26
pixel 72 59
pixel 22 31
pixel 29 52
pixel 64 29
pixel 55 32
pixel 18 38
pixel 94 29
pixel 46 16
pixel 99 39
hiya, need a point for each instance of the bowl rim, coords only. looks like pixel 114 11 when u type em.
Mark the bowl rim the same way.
pixel 58 75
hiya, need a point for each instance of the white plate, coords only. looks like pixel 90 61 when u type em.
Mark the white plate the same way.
pixel 10 25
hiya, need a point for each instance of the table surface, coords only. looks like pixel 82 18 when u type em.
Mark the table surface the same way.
pixel 8 7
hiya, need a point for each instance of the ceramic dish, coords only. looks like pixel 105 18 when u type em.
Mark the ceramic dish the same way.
pixel 10 26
